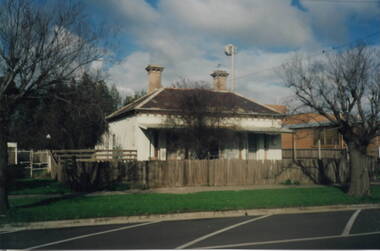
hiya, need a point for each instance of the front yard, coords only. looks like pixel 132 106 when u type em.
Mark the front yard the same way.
pixel 71 206
pixel 30 186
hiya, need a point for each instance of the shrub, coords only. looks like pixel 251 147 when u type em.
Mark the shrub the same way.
pixel 94 176
pixel 16 171
pixel 291 182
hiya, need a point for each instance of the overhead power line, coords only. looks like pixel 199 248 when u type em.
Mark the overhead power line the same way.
pixel 342 1
pixel 333 48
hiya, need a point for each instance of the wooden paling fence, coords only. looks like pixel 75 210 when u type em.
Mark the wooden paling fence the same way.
pixel 213 172
pixel 180 173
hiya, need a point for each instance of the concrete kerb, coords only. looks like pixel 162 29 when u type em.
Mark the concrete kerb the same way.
pixel 180 216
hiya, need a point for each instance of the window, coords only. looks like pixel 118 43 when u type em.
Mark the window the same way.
pixel 252 142
pixel 327 136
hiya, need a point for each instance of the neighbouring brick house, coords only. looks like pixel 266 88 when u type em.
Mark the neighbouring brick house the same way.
pixel 313 131
pixel 142 125
pixel 283 109
pixel 310 131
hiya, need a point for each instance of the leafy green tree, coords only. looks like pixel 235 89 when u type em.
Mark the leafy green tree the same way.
pixel 72 114
pixel 116 97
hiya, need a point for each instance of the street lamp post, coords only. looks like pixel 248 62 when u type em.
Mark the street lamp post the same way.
pixel 48 137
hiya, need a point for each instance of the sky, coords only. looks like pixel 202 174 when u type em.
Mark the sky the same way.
pixel 188 37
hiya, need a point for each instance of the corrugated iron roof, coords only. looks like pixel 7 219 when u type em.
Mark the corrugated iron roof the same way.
pixel 305 118
pixel 169 99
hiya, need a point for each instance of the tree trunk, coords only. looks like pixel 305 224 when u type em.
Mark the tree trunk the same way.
pixel 4 205
pixel 359 185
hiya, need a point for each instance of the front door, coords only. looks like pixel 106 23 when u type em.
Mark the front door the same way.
pixel 155 144
pixel 253 140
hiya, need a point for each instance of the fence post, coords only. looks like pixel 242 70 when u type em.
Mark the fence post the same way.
pixel 31 163
pixel 147 176
pixel 144 178
pixel 208 164
pixel 294 148
pixel 16 153
pixel 48 158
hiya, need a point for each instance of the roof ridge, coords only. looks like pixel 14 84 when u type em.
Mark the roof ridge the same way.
pixel 152 95
pixel 127 106
pixel 191 88
pixel 254 101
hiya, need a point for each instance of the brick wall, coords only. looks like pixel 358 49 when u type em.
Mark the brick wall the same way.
pixel 304 139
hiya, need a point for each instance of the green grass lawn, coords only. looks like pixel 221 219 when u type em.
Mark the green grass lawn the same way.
pixel 34 209
pixel 30 186
pixel 37 186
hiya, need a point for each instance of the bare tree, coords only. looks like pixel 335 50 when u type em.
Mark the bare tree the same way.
pixel 39 47
pixel 131 98
pixel 198 123
pixel 343 87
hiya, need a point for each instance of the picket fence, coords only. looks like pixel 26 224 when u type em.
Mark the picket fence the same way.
pixel 92 155
pixel 35 162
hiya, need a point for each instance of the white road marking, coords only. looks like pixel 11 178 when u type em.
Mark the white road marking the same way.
pixel 220 231
pixel 350 223
pixel 89 235
pixel 233 246
pixel 8 232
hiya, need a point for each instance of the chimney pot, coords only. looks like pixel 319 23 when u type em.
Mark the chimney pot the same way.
pixel 154 77
pixel 220 80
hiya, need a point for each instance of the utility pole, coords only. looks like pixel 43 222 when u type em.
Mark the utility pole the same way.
pixel 231 50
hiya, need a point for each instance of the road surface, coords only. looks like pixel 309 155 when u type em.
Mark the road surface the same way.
pixel 352 229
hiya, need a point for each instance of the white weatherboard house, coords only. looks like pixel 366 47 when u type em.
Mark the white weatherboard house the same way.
pixel 142 125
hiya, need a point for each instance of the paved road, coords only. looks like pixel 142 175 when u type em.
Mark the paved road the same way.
pixel 355 229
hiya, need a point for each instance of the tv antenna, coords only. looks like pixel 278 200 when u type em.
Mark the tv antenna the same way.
pixel 231 50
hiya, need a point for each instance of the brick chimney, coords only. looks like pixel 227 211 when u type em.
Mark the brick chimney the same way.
pixel 154 77
pixel 220 80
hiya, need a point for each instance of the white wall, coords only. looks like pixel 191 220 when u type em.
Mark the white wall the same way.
pixel 253 122
pixel 143 144
pixel 125 133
